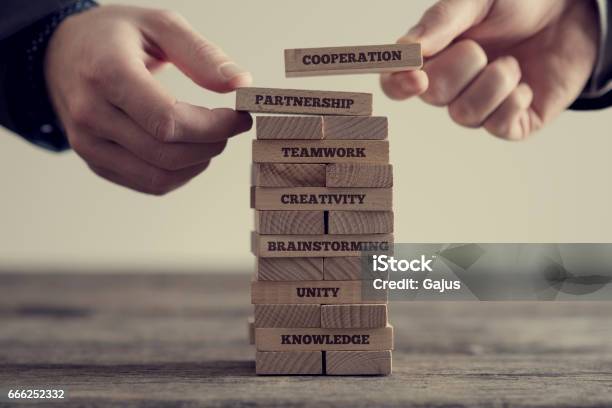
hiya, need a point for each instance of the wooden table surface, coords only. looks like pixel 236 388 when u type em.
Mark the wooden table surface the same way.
pixel 180 340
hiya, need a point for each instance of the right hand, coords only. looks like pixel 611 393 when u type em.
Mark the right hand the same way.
pixel 121 121
pixel 507 65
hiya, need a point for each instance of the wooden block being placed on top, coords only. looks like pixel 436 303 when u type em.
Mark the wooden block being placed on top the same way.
pixel 358 362
pixel 289 269
pixel 359 175
pixel 288 246
pixel 315 292
pixel 289 175
pixel 279 339
pixel 321 151
pixel 321 198
pixel 350 268
pixel 290 222
pixel 289 363
pixel 290 127
pixel 360 222
pixel 355 127
pixel 352 60
pixel 297 101
pixel 353 316
pixel 287 315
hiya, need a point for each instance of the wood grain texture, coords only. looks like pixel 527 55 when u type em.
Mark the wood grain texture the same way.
pixel 360 222
pixel 289 269
pixel 289 175
pixel 290 222
pixel 321 198
pixel 358 362
pixel 297 101
pixel 359 175
pixel 288 246
pixel 353 316
pixel 349 268
pixel 314 292
pixel 290 127
pixel 355 127
pixel 279 339
pixel 358 59
pixel 287 315
pixel 320 151
pixel 251 329
pixel 288 363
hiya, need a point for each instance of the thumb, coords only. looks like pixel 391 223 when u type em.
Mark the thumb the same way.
pixel 201 60
pixel 445 21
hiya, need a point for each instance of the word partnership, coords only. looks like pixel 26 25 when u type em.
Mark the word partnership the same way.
pixel 322 194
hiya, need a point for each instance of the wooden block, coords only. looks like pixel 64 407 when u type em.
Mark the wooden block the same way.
pixel 251 330
pixel 358 362
pixel 289 363
pixel 287 315
pixel 359 175
pixel 289 269
pixel 355 127
pixel 352 316
pixel 289 175
pixel 290 127
pixel 290 222
pixel 321 151
pixel 314 292
pixel 349 268
pixel 352 60
pixel 297 101
pixel 279 339
pixel 321 198
pixel 287 246
pixel 360 222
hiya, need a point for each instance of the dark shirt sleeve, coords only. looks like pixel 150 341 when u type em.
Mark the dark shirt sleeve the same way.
pixel 25 30
pixel 598 92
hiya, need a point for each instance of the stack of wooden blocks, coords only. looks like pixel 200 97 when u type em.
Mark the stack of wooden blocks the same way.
pixel 322 194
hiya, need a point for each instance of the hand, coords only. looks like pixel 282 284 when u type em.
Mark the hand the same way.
pixel 508 65
pixel 121 121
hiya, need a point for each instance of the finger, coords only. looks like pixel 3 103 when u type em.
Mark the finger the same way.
pixel 402 85
pixel 445 21
pixel 486 93
pixel 452 70
pixel 511 120
pixel 129 86
pixel 129 170
pixel 201 60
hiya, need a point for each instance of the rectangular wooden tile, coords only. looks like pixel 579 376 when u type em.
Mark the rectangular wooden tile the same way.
pixel 279 339
pixel 355 127
pixel 287 315
pixel 290 127
pixel 287 246
pixel 320 151
pixel 359 175
pixel 360 222
pixel 321 198
pixel 289 269
pixel 376 362
pixel 298 101
pixel 353 316
pixel 360 59
pixel 290 222
pixel 315 292
pixel 289 175
pixel 289 363
pixel 251 330
pixel 349 268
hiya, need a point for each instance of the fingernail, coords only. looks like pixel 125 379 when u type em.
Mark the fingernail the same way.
pixel 230 70
pixel 412 35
